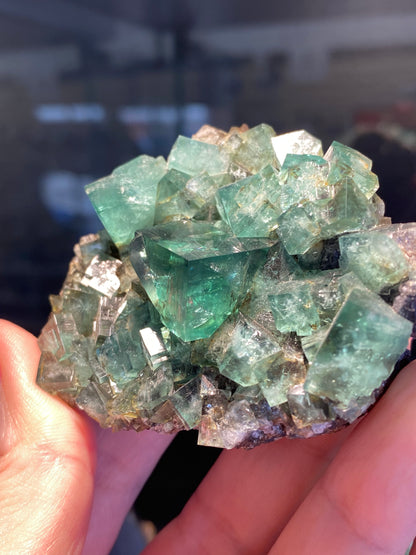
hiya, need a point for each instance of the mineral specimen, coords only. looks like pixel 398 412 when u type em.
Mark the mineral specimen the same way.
pixel 249 286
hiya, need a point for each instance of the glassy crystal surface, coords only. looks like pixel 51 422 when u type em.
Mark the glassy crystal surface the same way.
pixel 169 201
pixel 251 206
pixel 296 142
pixel 294 309
pixel 322 211
pixel 252 150
pixel 304 178
pixel 194 157
pixel 251 288
pixel 298 230
pixel 347 162
pixel 195 274
pixel 355 356
pixel 125 200
pixel 250 352
pixel 375 258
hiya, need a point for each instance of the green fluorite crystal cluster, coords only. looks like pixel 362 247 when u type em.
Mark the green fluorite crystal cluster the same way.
pixel 249 286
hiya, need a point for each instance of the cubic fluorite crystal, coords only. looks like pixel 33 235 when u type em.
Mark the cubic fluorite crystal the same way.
pixel 249 286
pixel 195 273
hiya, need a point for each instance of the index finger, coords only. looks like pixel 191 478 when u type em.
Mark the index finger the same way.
pixel 365 503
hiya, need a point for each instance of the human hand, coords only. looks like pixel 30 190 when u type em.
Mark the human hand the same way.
pixel 65 483
pixel 346 493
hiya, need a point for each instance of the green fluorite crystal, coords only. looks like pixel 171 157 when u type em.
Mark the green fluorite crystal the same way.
pixel 115 198
pixel 250 351
pixel 345 161
pixel 304 178
pixel 195 274
pixel 355 342
pixel 169 201
pixel 375 258
pixel 294 309
pixel 249 287
pixel 252 150
pixel 251 206
pixel 194 157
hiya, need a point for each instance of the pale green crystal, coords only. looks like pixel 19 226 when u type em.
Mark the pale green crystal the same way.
pixel 359 350
pixel 59 334
pixel 81 304
pixel 375 258
pixel 121 353
pixel 347 211
pixel 200 192
pixel 304 178
pixel 251 206
pixel 181 196
pixel 252 149
pixel 303 225
pixel 284 376
pixel 250 353
pixel 125 200
pixel 194 157
pixel 156 385
pixel 188 402
pixel 297 230
pixel 275 389
pixel 344 162
pixel 294 309
pixel 169 201
pixel 311 343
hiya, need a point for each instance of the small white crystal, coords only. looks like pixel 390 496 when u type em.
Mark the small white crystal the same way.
pixel 296 142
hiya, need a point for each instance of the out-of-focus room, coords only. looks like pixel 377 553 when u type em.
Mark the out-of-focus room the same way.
pixel 85 85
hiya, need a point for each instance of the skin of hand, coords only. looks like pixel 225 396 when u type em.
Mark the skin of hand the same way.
pixel 66 485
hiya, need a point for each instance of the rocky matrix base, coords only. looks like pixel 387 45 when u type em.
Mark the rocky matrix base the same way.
pixel 249 286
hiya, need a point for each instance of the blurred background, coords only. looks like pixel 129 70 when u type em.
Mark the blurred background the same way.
pixel 87 84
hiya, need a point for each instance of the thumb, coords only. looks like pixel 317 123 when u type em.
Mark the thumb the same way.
pixel 46 458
